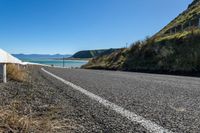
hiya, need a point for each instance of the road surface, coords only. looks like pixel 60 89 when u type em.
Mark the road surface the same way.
pixel 171 103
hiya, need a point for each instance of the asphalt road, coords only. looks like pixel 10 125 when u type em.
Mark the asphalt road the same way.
pixel 172 102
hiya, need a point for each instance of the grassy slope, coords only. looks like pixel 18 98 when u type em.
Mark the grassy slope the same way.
pixel 179 52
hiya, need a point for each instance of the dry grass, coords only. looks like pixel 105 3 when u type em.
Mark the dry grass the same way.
pixel 11 120
pixel 16 73
pixel 15 118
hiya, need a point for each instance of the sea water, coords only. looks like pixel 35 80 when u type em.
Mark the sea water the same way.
pixel 57 62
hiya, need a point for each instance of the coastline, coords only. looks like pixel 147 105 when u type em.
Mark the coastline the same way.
pixel 72 59
pixel 55 62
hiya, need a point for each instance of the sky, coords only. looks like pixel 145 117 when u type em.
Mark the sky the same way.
pixel 68 26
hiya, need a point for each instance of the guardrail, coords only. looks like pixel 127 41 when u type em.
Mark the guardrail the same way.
pixel 6 58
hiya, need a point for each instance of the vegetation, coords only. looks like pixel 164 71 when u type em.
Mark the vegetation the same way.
pixel 16 72
pixel 11 120
pixel 179 52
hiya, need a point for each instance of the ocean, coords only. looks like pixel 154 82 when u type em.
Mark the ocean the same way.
pixel 55 62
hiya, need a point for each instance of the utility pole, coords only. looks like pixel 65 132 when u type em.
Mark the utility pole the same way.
pixel 63 62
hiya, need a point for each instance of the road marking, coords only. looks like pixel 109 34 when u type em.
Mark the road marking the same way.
pixel 149 125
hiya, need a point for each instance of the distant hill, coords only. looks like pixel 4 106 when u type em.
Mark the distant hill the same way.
pixel 174 49
pixel 32 56
pixel 92 53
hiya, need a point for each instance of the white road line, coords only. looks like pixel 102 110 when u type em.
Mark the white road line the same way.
pixel 149 125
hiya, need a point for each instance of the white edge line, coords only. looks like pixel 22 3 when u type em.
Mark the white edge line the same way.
pixel 149 125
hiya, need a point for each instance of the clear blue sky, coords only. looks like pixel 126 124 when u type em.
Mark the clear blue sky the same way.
pixel 67 26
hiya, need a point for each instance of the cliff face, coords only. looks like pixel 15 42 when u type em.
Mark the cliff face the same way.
pixel 173 49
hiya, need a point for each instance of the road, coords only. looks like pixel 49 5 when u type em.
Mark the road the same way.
pixel 170 102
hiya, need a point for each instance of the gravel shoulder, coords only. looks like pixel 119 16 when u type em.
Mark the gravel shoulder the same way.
pixel 38 100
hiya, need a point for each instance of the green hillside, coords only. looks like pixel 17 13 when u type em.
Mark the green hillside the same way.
pixel 92 53
pixel 176 48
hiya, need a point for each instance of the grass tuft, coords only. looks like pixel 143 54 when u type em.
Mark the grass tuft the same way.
pixel 16 73
pixel 15 118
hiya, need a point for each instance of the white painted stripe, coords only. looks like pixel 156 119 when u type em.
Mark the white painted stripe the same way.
pixel 149 125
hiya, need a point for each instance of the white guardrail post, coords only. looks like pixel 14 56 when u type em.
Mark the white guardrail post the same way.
pixel 6 58
pixel 4 73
